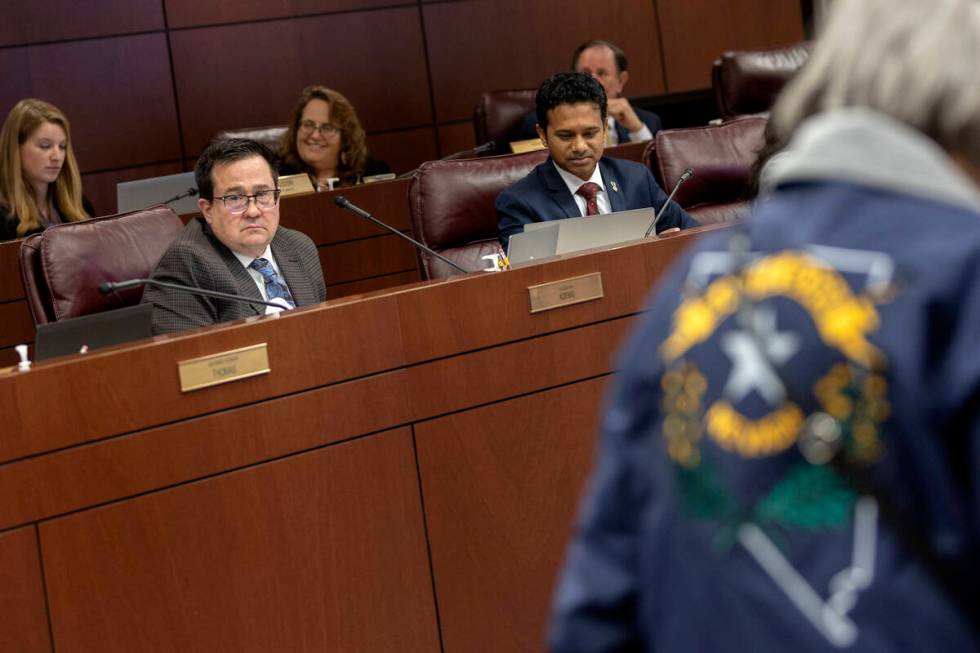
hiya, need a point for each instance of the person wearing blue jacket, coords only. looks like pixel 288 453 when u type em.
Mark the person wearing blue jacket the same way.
pixel 790 455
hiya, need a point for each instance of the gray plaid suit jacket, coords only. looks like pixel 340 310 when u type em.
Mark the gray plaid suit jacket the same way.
pixel 197 258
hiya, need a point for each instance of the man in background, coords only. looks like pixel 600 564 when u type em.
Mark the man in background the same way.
pixel 576 180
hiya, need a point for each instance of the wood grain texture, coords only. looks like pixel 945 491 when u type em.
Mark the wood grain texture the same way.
pixel 61 20
pixel 116 92
pixel 287 55
pixel 24 626
pixel 366 258
pixel 500 498
pixel 188 13
pixel 370 285
pixel 327 546
pixel 697 32
pixel 516 44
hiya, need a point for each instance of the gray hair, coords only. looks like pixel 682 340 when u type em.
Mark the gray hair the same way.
pixel 913 60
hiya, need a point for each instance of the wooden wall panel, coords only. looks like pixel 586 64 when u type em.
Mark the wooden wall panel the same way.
pixel 187 13
pixel 192 565
pixel 499 507
pixel 254 72
pixel 24 621
pixel 404 151
pixel 488 45
pixel 696 32
pixel 117 94
pixel 456 138
pixel 60 20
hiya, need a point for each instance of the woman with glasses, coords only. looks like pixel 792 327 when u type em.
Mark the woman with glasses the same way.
pixel 326 141
pixel 39 180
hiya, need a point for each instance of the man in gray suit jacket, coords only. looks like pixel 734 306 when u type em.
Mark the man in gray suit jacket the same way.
pixel 237 246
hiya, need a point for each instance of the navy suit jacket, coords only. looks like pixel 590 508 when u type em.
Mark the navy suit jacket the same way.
pixel 542 195
pixel 648 118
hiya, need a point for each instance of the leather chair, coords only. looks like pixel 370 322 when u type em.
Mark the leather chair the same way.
pixel 721 157
pixel 748 81
pixel 269 136
pixel 63 266
pixel 498 116
pixel 452 208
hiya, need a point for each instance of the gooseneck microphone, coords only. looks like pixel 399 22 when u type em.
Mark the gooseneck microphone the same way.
pixel 343 203
pixel 107 287
pixel 471 153
pixel 687 174
pixel 190 192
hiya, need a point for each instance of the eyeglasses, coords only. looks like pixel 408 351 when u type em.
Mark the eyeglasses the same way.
pixel 238 203
pixel 306 127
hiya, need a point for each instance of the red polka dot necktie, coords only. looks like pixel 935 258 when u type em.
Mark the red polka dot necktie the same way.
pixel 589 190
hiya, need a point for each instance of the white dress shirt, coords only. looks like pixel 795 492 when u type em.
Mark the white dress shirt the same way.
pixel 574 183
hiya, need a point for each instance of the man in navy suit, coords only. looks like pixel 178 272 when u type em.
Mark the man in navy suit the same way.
pixel 607 63
pixel 575 180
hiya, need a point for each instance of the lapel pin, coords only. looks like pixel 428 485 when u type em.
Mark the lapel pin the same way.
pixel 615 187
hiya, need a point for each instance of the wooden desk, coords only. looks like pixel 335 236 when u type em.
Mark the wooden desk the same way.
pixel 403 479
pixel 356 255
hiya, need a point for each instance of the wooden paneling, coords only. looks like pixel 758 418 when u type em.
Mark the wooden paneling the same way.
pixel 254 72
pixel 116 92
pixel 193 566
pixel 500 502
pixel 100 187
pixel 404 150
pixel 187 13
pixel 516 44
pixel 369 257
pixel 370 285
pixel 24 624
pixel 11 286
pixel 16 323
pixel 456 138
pixel 696 32
pixel 60 20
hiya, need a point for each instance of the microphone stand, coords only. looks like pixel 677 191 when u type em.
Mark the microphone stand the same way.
pixel 687 174
pixel 190 192
pixel 343 203
pixel 107 287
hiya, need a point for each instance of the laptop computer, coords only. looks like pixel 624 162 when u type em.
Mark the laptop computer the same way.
pixel 533 244
pixel 93 331
pixel 575 234
pixel 143 193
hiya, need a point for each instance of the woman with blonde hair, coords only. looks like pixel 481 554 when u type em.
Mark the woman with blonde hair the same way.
pixel 39 180
pixel 325 140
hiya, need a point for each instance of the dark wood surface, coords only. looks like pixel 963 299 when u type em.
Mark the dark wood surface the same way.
pixel 150 82
pixel 24 626
pixel 373 488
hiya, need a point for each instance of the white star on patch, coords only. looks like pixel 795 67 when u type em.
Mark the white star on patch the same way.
pixel 751 368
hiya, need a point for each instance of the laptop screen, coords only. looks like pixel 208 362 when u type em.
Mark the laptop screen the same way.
pixel 94 331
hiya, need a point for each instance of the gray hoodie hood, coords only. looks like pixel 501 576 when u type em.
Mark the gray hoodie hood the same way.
pixel 869 148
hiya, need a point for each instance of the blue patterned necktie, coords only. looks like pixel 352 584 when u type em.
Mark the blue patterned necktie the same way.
pixel 275 285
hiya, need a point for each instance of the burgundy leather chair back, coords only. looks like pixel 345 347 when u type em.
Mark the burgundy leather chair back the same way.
pixel 748 81
pixel 62 266
pixel 498 115
pixel 721 156
pixel 452 208
pixel 268 136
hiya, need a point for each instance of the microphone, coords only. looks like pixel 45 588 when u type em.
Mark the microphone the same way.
pixel 107 287
pixel 343 203
pixel 190 192
pixel 687 174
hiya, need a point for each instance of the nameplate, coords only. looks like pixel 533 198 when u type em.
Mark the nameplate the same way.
pixel 295 185
pixel 225 367
pixel 566 292
pixel 373 179
pixel 530 145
